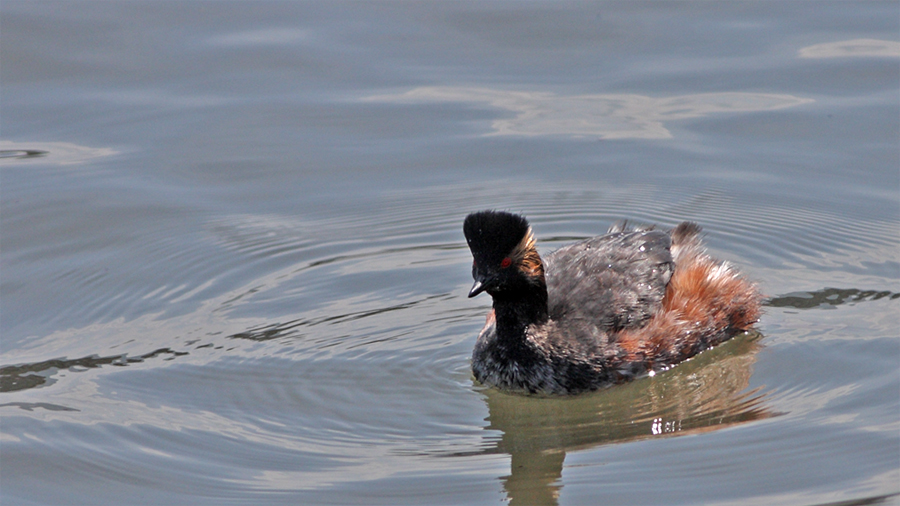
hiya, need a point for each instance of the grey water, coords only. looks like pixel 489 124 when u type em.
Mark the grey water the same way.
pixel 232 268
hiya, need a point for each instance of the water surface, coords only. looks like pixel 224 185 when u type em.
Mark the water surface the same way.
pixel 233 268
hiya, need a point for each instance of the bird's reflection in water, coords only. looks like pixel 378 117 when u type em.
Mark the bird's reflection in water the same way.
pixel 706 393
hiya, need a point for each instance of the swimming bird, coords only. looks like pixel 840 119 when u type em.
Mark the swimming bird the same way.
pixel 602 311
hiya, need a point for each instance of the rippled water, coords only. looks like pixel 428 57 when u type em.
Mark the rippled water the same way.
pixel 233 268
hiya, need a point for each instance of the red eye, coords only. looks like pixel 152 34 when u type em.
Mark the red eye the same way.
pixel 506 262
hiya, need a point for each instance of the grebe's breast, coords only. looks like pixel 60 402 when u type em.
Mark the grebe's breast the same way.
pixel 615 281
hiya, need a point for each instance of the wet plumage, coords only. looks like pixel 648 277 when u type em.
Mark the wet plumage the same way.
pixel 600 311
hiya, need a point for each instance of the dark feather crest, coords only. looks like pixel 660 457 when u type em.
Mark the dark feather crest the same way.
pixel 493 235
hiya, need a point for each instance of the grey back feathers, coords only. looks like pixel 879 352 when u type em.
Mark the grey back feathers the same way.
pixel 612 282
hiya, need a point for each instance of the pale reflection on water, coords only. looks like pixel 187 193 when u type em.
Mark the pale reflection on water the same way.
pixel 607 116
pixel 859 48
pixel 57 153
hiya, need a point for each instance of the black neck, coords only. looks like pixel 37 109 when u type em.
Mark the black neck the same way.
pixel 516 311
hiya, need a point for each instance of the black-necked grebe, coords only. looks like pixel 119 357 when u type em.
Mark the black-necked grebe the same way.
pixel 600 311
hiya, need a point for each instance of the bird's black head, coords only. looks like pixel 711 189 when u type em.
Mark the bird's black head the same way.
pixel 502 246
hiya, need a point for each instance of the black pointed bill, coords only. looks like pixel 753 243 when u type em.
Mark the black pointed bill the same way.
pixel 477 288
